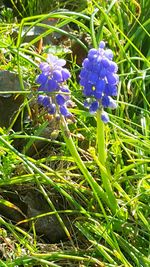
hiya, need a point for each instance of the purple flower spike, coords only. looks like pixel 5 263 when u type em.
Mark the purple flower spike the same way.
pixel 53 79
pixel 102 44
pixel 84 72
pixel 45 68
pixel 55 61
pixel 40 99
pixel 60 100
pixel 105 62
pixel 110 90
pixel 65 74
pixel 94 107
pixel 65 89
pixel 97 94
pixel 64 111
pixel 86 104
pixel 52 109
pixel 104 117
pixel 66 93
pixel 100 85
pixel 112 103
pixel 105 101
pixel 86 64
pixel 41 79
pixel 46 101
pixel 61 62
pixel 99 80
pixel 112 78
pixel 113 67
pixel 88 90
pixel 52 85
pixel 83 82
pixel 57 75
pixel 93 77
pixel 92 54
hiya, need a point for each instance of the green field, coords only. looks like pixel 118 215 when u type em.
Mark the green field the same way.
pixel 74 188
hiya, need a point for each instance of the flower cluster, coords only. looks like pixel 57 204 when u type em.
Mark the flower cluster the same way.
pixel 52 82
pixel 99 80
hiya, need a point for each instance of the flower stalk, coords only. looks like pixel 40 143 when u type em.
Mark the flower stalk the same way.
pixel 101 161
pixel 97 189
pixel 101 139
pixel 99 80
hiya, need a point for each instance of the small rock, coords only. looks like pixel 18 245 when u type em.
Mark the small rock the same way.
pixel 9 103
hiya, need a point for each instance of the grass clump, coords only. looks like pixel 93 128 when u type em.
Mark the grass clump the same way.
pixel 89 179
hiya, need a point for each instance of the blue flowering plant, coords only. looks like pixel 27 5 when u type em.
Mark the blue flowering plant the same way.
pixel 99 80
pixel 55 95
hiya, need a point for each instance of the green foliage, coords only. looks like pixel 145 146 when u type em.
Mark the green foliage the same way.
pixel 105 233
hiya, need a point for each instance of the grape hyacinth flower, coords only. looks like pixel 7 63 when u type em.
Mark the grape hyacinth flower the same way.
pixel 52 81
pixel 99 80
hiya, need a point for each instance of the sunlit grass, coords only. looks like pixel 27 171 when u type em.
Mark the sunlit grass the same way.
pixel 101 235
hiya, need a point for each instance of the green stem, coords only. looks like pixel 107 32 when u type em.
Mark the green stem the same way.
pixel 97 189
pixel 101 139
pixel 101 161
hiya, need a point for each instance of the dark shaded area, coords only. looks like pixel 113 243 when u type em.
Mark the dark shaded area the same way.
pixel 18 7
pixel 29 202
pixel 21 8
pixel 9 103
